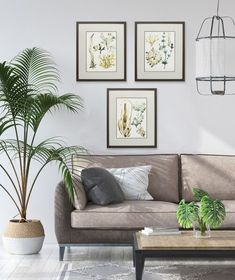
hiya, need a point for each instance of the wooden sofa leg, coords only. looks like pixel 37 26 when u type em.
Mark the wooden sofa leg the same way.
pixel 61 252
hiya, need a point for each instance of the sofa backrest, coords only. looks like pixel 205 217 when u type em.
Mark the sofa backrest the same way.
pixel 163 178
pixel 214 174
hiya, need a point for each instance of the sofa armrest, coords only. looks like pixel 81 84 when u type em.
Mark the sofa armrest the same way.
pixel 63 209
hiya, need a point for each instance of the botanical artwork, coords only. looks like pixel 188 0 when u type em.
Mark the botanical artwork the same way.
pixel 101 51
pixel 131 118
pixel 159 51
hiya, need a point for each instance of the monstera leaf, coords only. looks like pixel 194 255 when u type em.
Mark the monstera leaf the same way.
pixel 198 194
pixel 212 212
pixel 186 214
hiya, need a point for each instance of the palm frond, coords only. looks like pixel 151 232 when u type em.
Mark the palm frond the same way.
pixel 27 92
pixel 13 94
pixel 5 124
pixel 36 69
pixel 8 145
pixel 47 102
pixel 62 155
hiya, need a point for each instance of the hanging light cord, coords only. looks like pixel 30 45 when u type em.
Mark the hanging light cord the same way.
pixel 218 6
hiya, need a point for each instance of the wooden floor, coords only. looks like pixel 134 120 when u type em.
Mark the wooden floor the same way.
pixel 45 265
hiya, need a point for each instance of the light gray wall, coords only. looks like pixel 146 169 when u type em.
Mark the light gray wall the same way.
pixel 187 122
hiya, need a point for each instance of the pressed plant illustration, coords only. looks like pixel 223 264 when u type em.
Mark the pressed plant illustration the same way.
pixel 131 118
pixel 124 121
pixel 159 51
pixel 101 54
pixel 107 61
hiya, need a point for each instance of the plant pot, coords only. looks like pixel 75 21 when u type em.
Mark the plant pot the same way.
pixel 23 238
pixel 199 233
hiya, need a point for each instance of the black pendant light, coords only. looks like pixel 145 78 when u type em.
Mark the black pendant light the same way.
pixel 215 55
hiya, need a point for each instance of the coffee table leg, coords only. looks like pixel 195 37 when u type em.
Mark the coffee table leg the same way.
pixel 133 253
pixel 139 265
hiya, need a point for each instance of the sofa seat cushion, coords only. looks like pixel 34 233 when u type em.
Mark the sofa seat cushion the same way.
pixel 229 221
pixel 126 215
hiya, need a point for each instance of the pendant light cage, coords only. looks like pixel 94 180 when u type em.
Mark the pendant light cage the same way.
pixel 215 56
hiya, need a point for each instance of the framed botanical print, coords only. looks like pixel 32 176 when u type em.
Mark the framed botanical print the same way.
pixel 101 51
pixel 159 51
pixel 131 118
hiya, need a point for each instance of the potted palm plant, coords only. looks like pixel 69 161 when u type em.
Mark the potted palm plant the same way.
pixel 202 214
pixel 28 87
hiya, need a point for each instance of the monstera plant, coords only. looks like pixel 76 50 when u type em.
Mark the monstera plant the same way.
pixel 28 87
pixel 204 212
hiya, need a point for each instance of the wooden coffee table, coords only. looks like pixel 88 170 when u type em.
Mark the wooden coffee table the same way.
pixel 220 244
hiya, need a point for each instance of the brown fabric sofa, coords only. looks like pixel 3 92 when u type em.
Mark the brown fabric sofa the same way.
pixel 172 178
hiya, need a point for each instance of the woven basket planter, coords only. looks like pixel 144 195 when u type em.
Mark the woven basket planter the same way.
pixel 23 238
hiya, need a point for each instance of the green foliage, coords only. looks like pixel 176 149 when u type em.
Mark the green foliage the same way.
pixel 187 213
pixel 208 212
pixel 212 212
pixel 37 70
pixel 198 194
pixel 28 86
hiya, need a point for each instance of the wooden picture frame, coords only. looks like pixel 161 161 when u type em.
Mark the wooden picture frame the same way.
pixel 101 51
pixel 131 118
pixel 160 51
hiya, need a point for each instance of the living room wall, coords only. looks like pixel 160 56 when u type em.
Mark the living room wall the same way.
pixel 186 121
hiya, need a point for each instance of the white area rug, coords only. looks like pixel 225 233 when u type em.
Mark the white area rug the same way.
pixel 182 270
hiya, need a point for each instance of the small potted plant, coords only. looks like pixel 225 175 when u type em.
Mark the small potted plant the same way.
pixel 202 214
pixel 28 87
